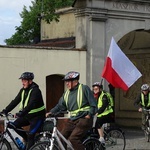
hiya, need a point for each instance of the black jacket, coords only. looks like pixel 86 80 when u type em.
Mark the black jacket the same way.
pixel 35 101
pixel 138 101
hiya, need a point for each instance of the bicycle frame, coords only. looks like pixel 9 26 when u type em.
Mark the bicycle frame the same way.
pixel 56 135
pixel 148 119
pixel 3 136
pixel 147 124
pixel 8 133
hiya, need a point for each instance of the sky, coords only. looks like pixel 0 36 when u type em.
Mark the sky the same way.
pixel 10 18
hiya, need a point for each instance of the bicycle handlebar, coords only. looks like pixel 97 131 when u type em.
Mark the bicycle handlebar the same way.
pixel 57 114
pixel 6 115
pixel 146 110
pixel 54 117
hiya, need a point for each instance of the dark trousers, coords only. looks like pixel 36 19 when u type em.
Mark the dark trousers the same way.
pixel 35 124
pixel 104 119
pixel 76 130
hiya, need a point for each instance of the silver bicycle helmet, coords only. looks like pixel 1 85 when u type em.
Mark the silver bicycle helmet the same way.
pixel 98 84
pixel 145 87
pixel 72 75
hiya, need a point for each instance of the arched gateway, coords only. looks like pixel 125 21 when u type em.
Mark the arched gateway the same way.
pixel 128 21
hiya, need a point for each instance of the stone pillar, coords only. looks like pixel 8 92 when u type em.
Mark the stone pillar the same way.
pixel 90 35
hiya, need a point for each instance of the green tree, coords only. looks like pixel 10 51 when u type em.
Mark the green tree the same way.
pixel 29 30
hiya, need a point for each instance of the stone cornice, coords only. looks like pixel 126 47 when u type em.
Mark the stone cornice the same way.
pixel 139 1
pixel 103 14
pixel 119 9
pixel 128 6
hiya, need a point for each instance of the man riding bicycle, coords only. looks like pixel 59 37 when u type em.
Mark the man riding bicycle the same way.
pixel 79 101
pixel 143 102
pixel 32 109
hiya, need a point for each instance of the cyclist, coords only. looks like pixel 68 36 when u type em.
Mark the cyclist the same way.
pixel 32 109
pixel 79 101
pixel 143 102
pixel 105 108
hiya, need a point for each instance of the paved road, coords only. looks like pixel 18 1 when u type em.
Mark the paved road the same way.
pixel 135 139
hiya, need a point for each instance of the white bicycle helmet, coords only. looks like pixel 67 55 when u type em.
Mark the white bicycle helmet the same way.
pixel 145 87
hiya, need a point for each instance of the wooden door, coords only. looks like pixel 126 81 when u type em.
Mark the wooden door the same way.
pixel 54 90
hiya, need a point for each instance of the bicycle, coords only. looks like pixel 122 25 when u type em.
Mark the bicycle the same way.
pixel 147 124
pixel 4 143
pixel 55 142
pixel 114 137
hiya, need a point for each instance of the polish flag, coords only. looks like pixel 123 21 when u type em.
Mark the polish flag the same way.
pixel 118 69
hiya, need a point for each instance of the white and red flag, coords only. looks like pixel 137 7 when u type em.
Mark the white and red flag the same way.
pixel 119 70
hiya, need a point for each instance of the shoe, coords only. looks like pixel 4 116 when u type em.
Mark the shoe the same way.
pixel 102 140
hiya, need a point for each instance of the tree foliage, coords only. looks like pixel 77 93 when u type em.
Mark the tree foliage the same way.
pixel 48 8
pixel 29 30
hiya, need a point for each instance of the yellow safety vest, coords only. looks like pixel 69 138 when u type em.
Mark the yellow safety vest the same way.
pixel 108 109
pixel 26 102
pixel 111 101
pixel 142 98
pixel 79 101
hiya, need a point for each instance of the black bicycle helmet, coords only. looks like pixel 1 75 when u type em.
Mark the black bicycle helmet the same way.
pixel 98 84
pixel 72 75
pixel 145 87
pixel 27 76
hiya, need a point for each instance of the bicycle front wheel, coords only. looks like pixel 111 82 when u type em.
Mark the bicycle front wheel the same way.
pixel 115 140
pixel 147 135
pixel 93 144
pixel 44 145
pixel 5 145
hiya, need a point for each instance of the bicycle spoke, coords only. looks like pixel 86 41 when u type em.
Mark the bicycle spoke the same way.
pixel 44 145
pixel 93 144
pixel 5 145
pixel 115 140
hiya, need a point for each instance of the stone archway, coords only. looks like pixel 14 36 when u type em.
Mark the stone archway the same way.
pixel 136 46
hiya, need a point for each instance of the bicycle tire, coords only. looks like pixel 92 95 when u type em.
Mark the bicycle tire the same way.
pixel 115 139
pixel 93 144
pixel 5 145
pixel 43 146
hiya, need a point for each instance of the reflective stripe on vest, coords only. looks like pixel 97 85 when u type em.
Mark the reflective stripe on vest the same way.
pixel 79 101
pixel 26 102
pixel 111 101
pixel 142 98
pixel 108 110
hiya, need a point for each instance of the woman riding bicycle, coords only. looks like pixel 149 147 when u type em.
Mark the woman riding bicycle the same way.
pixel 105 108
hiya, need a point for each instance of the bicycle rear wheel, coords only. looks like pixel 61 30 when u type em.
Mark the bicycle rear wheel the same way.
pixel 93 144
pixel 115 139
pixel 5 145
pixel 44 145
